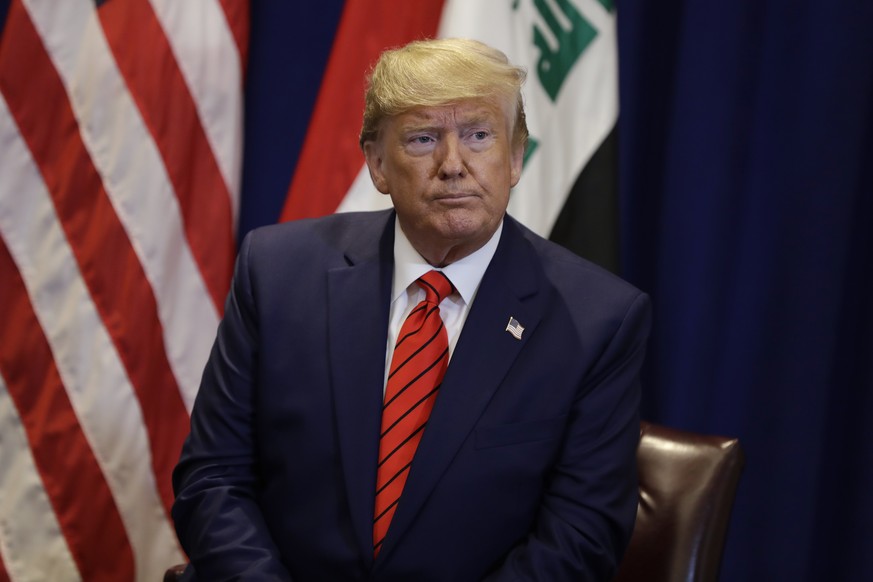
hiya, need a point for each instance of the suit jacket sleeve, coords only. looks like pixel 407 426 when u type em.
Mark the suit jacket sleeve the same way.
pixel 216 514
pixel 589 506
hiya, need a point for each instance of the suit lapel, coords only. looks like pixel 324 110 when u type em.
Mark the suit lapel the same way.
pixel 358 302
pixel 511 287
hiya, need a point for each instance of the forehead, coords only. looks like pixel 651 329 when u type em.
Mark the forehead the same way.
pixel 463 113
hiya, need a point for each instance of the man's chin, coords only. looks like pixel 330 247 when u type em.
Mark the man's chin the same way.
pixel 463 227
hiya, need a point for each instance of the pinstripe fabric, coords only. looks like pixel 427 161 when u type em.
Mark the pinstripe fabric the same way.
pixel 420 359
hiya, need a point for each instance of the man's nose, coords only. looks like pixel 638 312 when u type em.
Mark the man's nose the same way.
pixel 450 158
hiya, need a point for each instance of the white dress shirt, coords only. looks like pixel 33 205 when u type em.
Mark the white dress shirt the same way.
pixel 465 275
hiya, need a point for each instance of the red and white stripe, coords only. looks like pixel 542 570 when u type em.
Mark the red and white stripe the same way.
pixel 120 128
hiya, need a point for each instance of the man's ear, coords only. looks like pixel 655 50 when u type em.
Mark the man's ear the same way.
pixel 516 163
pixel 373 155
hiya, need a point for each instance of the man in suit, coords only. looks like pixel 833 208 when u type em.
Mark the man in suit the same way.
pixel 520 442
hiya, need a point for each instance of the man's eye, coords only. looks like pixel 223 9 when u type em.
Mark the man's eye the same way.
pixel 480 135
pixel 422 139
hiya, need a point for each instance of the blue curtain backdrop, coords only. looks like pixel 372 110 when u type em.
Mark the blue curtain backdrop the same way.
pixel 747 188
pixel 746 175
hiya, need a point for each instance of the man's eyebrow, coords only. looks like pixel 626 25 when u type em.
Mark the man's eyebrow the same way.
pixel 415 126
pixel 427 124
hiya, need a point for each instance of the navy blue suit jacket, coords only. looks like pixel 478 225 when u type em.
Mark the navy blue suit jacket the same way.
pixel 526 470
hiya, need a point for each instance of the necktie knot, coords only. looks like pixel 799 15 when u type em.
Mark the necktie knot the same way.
pixel 436 286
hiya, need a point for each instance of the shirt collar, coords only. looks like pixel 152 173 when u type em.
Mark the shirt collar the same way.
pixel 465 274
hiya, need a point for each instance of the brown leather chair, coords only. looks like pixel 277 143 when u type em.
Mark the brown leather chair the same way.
pixel 687 486
pixel 175 573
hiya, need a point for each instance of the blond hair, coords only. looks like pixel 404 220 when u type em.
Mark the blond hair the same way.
pixel 433 73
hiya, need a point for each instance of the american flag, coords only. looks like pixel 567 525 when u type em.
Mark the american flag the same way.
pixel 120 147
pixel 515 328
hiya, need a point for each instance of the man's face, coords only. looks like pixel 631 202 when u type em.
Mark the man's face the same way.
pixel 448 171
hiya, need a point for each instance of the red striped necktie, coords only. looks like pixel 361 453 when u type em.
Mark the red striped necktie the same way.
pixel 421 356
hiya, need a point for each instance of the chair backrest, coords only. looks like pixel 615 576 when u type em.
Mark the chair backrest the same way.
pixel 688 483
pixel 175 573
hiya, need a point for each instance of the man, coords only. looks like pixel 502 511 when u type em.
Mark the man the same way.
pixel 493 437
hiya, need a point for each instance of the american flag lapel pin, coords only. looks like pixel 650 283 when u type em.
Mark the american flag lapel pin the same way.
pixel 515 328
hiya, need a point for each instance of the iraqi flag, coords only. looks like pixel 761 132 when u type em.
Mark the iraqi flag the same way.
pixel 568 187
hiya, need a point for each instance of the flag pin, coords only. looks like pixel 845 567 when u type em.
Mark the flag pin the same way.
pixel 515 328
